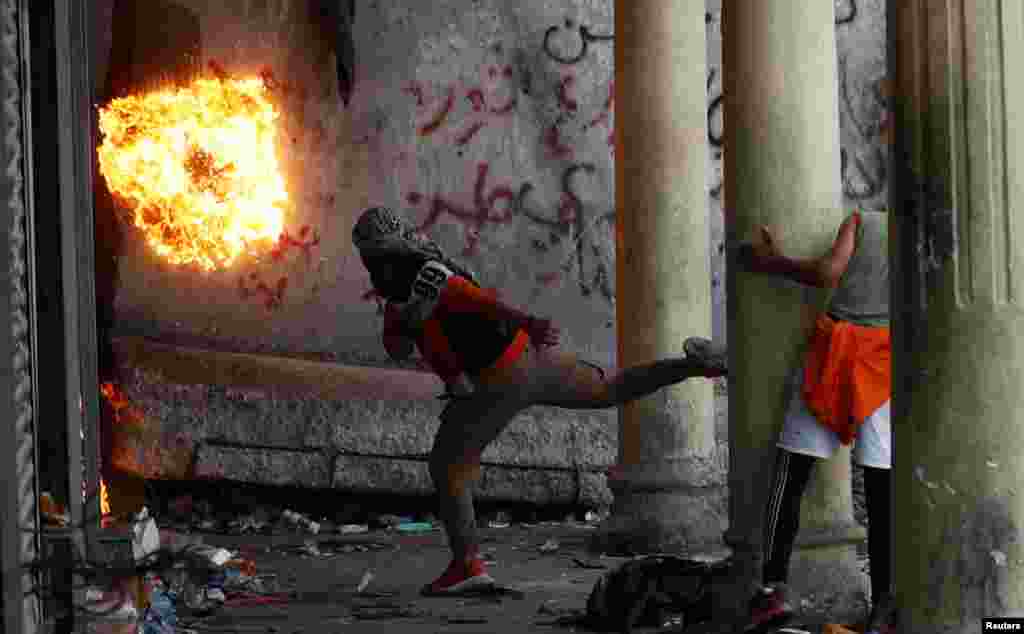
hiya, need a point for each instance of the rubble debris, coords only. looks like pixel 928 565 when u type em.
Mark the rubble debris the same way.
pixel 364 582
pixel 145 535
pixel 415 527
pixel 217 556
pixel 161 616
pixel 310 548
pixel 300 520
pixel 589 565
pixel 243 567
pixel 246 524
pixel 388 610
pixel 387 521
pixel 500 520
pixel 648 590
pixel 113 605
pixel 596 517
pixel 549 546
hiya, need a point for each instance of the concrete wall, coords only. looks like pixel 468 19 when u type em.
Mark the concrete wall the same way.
pixel 464 117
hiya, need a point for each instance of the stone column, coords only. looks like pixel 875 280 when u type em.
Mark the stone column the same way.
pixel 669 494
pixel 958 201
pixel 782 169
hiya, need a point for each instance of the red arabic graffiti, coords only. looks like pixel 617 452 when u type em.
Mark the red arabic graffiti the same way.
pixel 483 212
pixel 255 284
pixel 439 118
pixel 553 142
pixel 272 296
pixel 286 242
pixel 467 135
pixel 477 97
pixel 564 99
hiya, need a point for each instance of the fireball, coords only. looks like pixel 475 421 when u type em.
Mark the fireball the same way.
pixel 197 168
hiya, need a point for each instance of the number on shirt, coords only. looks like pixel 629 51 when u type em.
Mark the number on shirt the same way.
pixel 430 281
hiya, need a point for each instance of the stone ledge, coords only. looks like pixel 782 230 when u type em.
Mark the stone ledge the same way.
pixel 360 474
pixel 187 397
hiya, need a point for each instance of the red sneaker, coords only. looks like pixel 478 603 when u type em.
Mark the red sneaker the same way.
pixel 461 576
pixel 769 608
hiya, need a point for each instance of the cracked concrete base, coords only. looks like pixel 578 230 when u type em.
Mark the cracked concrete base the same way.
pixel 685 522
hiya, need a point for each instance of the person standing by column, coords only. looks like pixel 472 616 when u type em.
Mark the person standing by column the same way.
pixel 841 393
pixel 495 360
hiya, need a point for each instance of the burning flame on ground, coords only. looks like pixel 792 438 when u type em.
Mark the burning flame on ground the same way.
pixel 198 167
pixel 123 412
pixel 128 421
pixel 104 498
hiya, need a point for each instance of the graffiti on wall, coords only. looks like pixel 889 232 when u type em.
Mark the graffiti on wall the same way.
pixel 586 239
pixel 485 99
pixel 259 285
pixel 501 203
pixel 572 225
pixel 586 39
pixel 864 163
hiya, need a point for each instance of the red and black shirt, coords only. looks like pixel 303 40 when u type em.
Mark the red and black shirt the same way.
pixel 458 328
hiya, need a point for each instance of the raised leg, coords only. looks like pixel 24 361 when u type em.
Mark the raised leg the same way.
pixel 573 384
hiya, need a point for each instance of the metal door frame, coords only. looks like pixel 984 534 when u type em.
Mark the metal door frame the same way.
pixel 72 131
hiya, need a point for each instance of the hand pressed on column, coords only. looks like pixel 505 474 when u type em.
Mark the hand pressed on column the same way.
pixel 824 271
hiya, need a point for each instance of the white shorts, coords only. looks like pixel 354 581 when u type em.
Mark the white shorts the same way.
pixel 802 432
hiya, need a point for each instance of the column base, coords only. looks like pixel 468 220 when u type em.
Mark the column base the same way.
pixel 829 582
pixel 684 521
pixel 826 579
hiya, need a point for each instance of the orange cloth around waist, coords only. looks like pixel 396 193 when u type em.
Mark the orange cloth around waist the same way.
pixel 847 374
pixel 442 359
pixel 510 356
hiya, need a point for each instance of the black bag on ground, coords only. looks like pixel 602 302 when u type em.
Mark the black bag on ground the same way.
pixel 648 590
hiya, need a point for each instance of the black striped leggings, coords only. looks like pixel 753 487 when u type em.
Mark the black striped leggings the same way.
pixel 782 521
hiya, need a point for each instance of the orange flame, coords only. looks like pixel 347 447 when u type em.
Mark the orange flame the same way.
pixel 128 424
pixel 198 167
pixel 104 498
pixel 118 401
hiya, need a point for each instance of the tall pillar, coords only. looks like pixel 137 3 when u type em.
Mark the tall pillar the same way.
pixel 782 169
pixel 958 201
pixel 669 494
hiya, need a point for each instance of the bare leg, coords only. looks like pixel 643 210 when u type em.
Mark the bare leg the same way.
pixel 548 377
pixel 467 427
pixel 570 383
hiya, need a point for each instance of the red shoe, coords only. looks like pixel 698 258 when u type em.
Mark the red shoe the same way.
pixel 461 576
pixel 769 608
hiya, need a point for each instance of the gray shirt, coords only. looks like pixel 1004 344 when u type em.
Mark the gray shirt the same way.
pixel 862 297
